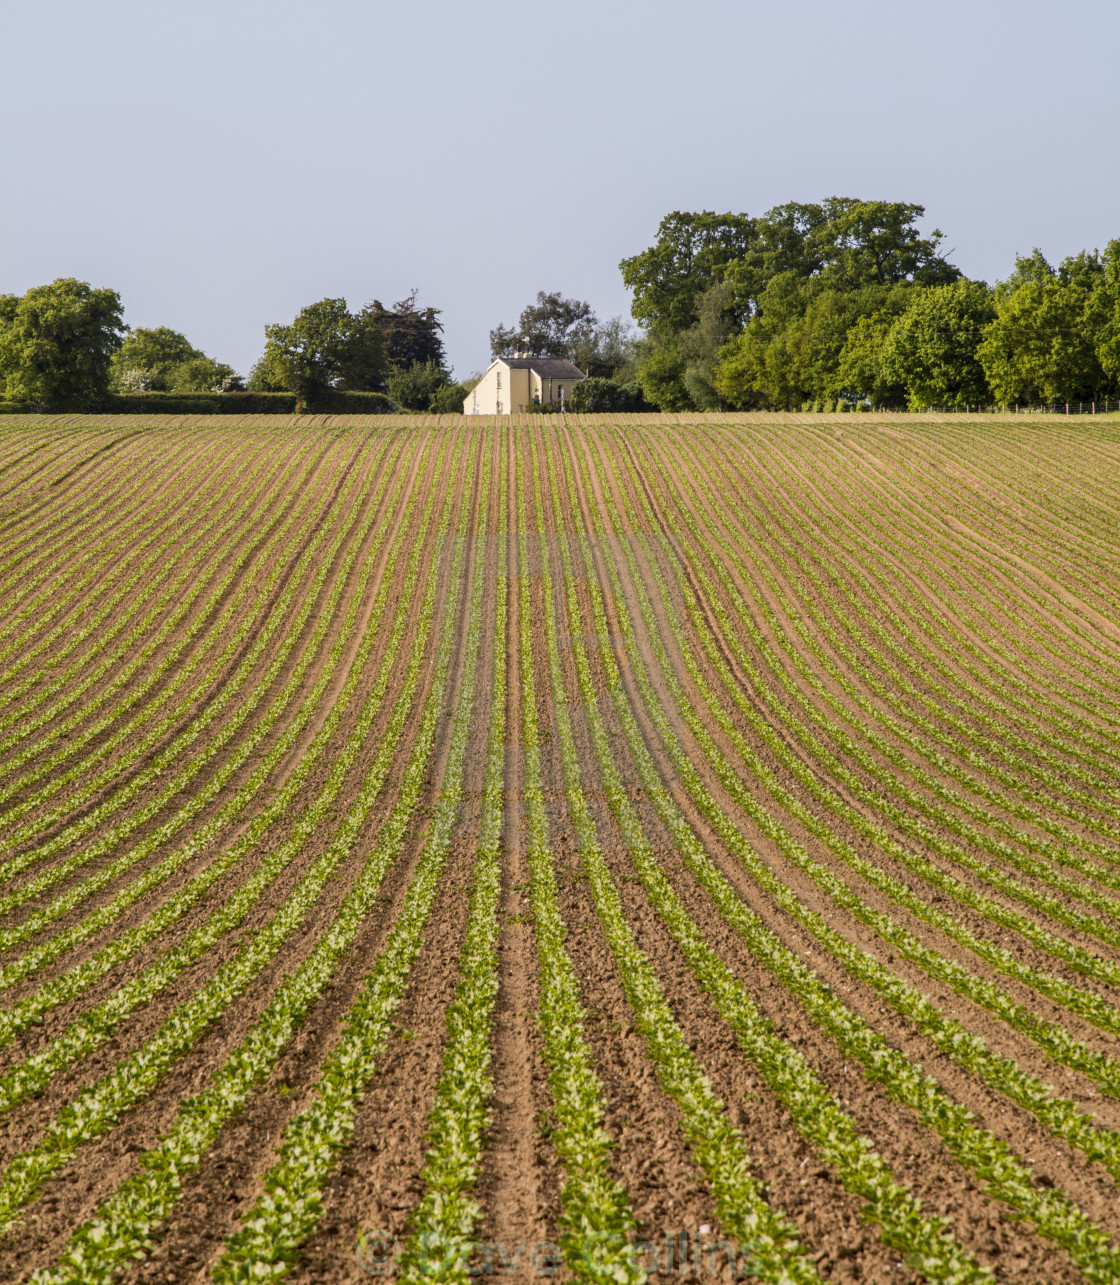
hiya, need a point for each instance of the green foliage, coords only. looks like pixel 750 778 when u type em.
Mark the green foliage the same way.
pixel 931 349
pixel 691 254
pixel 409 335
pixel 785 287
pixel 789 352
pixel 661 376
pixel 426 386
pixel 1050 340
pixel 845 241
pixel 551 327
pixel 598 394
pixel 417 387
pixel 203 374
pixel 608 351
pixel 876 243
pixel 448 400
pixel 1106 315
pixel 676 372
pixel 325 347
pixel 162 360
pixel 152 351
pixel 862 371
pixel 260 378
pixel 57 343
pixel 699 346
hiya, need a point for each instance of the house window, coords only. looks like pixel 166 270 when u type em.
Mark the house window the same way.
pixel 499 379
pixel 498 407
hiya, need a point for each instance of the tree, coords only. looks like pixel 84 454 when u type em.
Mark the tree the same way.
pixel 865 243
pixel 788 354
pixel 57 343
pixel 699 346
pixel 552 327
pixel 598 394
pixel 661 376
pixel 1104 313
pixel 418 387
pixel 152 352
pixel 1045 344
pixel 260 378
pixel 853 243
pixel 863 373
pixel 162 360
pixel 932 348
pixel 203 374
pixel 691 254
pixel 449 399
pixel 409 334
pixel 789 284
pixel 608 352
pixel 785 244
pixel 324 347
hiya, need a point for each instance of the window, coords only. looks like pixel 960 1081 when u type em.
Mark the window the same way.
pixel 498 407
pixel 499 379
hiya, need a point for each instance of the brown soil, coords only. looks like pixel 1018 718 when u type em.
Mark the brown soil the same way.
pixel 791 496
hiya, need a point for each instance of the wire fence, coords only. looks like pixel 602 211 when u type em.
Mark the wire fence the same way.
pixel 1102 406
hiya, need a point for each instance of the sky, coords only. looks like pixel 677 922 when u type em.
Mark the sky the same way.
pixel 222 164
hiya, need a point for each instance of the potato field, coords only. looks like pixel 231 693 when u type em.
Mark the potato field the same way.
pixel 595 848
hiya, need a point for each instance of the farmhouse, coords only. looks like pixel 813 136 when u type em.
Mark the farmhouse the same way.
pixel 521 382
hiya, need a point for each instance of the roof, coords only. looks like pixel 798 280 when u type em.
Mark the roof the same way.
pixel 549 367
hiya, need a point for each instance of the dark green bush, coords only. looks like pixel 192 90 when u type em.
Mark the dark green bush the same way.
pixel 595 394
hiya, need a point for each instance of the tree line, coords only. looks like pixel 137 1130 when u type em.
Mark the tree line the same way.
pixel 65 345
pixel 840 304
pixel 845 304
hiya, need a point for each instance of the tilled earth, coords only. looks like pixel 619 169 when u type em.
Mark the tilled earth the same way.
pixel 883 659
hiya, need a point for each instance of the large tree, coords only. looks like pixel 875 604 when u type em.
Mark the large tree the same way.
pixel 609 351
pixel 1105 315
pixel 789 283
pixel 788 354
pixel 163 360
pixel 324 347
pixel 692 253
pixel 57 343
pixel 552 327
pixel 1048 338
pixel 409 334
pixel 932 348
pixel 863 373
pixel 418 387
pixel 850 242
pixel 862 243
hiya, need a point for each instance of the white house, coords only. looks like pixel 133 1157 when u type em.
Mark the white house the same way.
pixel 519 383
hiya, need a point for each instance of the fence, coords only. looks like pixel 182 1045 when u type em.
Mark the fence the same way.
pixel 1102 407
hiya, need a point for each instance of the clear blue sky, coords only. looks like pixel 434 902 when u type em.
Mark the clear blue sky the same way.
pixel 223 164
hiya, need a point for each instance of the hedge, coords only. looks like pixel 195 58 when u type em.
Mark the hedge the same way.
pixel 333 403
